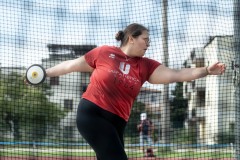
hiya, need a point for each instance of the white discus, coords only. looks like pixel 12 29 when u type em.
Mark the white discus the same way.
pixel 35 74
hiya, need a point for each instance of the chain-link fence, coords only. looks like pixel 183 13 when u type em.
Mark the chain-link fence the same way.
pixel 195 119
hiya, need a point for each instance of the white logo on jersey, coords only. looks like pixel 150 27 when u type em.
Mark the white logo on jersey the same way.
pixel 124 67
pixel 112 56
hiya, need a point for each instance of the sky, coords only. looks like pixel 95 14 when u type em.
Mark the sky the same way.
pixel 27 26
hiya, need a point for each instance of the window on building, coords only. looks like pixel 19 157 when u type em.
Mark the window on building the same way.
pixel 201 97
pixel 186 88
pixel 200 62
pixel 232 127
pixel 153 98
pixel 54 80
pixel 68 104
pixel 193 85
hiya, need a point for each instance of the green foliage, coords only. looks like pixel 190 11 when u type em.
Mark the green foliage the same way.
pixel 225 138
pixel 27 107
pixel 179 106
pixel 184 136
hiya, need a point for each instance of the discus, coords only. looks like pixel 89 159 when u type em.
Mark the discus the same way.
pixel 35 74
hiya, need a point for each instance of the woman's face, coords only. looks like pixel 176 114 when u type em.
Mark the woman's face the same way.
pixel 141 44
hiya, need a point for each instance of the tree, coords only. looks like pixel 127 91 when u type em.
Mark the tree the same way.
pixel 179 106
pixel 3 107
pixel 27 108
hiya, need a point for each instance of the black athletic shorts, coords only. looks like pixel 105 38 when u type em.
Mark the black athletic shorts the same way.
pixel 103 131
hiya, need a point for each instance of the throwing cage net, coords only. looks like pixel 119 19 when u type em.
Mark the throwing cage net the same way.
pixel 189 120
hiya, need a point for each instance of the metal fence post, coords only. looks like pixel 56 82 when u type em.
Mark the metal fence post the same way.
pixel 237 75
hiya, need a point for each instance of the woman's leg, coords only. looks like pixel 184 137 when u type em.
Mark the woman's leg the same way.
pixel 102 130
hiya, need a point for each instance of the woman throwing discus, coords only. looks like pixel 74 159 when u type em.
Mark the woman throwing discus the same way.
pixel 117 76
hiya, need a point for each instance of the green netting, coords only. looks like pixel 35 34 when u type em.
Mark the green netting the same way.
pixel 192 120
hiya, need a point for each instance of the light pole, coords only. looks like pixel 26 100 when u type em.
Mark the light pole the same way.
pixel 165 115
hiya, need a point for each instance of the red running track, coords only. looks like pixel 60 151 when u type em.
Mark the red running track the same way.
pixel 93 158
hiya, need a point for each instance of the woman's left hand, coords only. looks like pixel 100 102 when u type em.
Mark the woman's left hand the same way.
pixel 217 68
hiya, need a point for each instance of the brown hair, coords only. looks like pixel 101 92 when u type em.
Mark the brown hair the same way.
pixel 133 30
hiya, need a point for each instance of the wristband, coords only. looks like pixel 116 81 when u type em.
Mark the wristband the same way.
pixel 207 70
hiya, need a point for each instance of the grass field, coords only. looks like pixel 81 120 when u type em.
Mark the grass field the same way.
pixel 132 153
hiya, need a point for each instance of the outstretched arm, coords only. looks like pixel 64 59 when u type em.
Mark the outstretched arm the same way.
pixel 75 65
pixel 165 75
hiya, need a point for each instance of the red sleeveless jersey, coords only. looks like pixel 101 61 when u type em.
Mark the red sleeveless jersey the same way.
pixel 116 79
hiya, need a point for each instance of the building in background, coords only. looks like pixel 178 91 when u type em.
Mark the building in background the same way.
pixel 211 99
pixel 67 89
pixel 152 98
